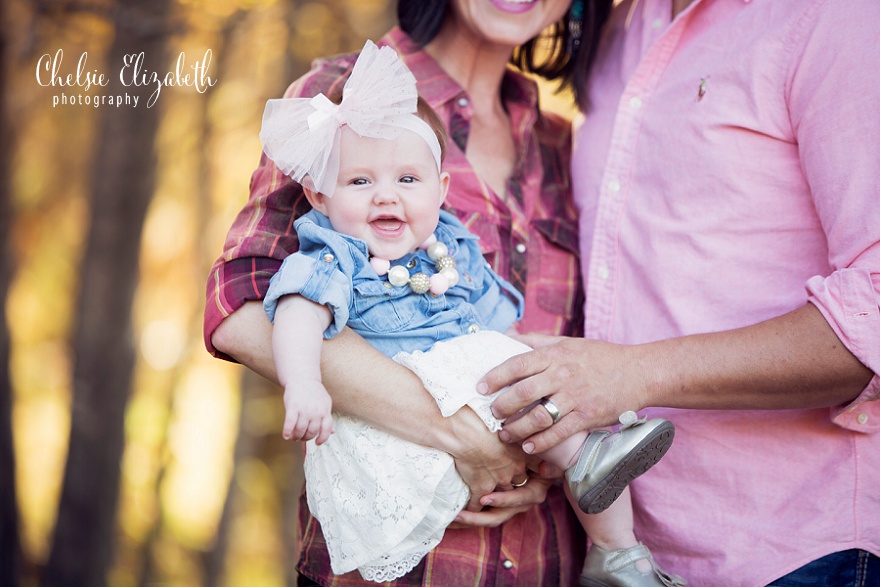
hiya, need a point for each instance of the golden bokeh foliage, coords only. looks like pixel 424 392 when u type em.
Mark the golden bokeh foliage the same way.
pixel 208 490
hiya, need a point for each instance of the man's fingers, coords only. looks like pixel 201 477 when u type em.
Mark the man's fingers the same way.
pixel 526 424
pixel 511 371
pixel 536 341
pixel 547 439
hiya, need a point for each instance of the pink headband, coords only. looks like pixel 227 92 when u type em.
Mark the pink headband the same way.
pixel 379 100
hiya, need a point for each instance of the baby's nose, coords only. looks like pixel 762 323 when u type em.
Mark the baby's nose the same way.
pixel 385 195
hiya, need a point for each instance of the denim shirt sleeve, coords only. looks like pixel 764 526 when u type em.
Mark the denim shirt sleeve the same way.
pixel 320 271
pixel 496 300
pixel 508 305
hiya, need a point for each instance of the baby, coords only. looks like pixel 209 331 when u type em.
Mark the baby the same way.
pixel 377 254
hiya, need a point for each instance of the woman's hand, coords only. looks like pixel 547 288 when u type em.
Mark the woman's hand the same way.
pixel 500 506
pixel 484 462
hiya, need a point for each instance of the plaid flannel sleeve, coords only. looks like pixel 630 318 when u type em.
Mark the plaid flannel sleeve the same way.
pixel 262 234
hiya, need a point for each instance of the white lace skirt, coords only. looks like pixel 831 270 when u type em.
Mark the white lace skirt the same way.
pixel 384 503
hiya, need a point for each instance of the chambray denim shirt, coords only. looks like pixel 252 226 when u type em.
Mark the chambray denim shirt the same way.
pixel 333 269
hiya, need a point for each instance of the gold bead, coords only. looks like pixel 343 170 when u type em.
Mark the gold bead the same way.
pixel 445 262
pixel 420 283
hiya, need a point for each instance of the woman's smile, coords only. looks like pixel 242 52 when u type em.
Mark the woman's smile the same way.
pixel 514 6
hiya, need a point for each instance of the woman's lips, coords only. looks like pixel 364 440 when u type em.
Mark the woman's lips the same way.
pixel 514 6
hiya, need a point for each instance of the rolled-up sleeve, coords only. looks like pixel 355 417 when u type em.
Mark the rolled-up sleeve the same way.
pixel 318 280
pixel 838 134
pixel 849 301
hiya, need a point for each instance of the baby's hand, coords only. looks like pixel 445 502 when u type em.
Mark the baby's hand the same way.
pixel 307 407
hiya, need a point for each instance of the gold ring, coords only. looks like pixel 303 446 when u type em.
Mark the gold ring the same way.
pixel 518 485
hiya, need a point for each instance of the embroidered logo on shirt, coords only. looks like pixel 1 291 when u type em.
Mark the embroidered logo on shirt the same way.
pixel 703 88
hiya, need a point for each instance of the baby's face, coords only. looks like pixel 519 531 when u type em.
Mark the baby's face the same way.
pixel 388 193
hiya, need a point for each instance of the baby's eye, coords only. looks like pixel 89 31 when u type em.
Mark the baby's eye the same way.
pixel 359 181
pixel 408 179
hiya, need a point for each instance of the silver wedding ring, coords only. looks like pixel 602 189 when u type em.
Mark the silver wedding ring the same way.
pixel 518 485
pixel 551 409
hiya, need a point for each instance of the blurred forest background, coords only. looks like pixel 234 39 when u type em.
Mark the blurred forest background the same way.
pixel 129 456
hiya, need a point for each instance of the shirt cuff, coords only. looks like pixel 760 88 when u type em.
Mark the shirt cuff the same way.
pixel 317 280
pixel 849 299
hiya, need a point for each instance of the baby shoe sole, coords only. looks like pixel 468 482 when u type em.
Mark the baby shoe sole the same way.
pixel 650 450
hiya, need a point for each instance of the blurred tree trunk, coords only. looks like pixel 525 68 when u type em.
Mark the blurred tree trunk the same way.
pixel 83 544
pixel 10 548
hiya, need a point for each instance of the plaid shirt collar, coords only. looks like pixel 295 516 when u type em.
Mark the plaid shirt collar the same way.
pixel 438 88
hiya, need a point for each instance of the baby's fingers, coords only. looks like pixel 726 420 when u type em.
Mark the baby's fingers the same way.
pixel 303 428
pixel 290 418
pixel 327 428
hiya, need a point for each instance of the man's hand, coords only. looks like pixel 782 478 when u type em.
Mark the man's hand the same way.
pixel 590 382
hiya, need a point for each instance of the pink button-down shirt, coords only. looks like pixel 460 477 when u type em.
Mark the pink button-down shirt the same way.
pixel 726 173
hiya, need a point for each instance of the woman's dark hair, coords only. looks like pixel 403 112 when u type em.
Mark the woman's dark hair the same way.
pixel 421 19
pixel 560 58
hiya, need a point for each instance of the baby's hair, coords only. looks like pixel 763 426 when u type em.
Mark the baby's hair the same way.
pixel 425 112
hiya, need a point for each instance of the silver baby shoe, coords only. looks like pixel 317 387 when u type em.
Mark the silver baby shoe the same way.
pixel 617 568
pixel 609 461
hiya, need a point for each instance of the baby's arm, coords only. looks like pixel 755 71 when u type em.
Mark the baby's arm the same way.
pixel 296 345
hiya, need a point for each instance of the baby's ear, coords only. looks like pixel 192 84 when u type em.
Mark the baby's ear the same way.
pixel 315 198
pixel 445 178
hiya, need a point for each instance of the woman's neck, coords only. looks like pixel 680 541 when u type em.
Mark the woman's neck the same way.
pixel 478 66
pixel 475 64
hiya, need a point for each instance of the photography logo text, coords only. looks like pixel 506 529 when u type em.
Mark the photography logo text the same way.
pixel 89 87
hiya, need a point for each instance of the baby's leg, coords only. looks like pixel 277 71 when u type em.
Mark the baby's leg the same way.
pixel 613 528
pixel 565 454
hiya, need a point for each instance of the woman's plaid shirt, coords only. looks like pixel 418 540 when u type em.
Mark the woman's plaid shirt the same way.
pixel 528 235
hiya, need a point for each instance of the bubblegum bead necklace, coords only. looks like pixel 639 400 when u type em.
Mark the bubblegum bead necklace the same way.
pixel 437 284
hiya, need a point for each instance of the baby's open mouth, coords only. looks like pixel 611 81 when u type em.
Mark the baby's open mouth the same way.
pixel 387 224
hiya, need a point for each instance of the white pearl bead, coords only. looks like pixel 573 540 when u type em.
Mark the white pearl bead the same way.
pixel 451 275
pixel 398 276
pixel 437 250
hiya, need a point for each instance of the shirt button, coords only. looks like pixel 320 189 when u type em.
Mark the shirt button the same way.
pixel 603 273
pixel 635 102
pixel 520 248
pixel 862 419
pixel 507 564
pixel 473 329
pixel 328 257
pixel 462 102
pixel 411 264
pixel 614 186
